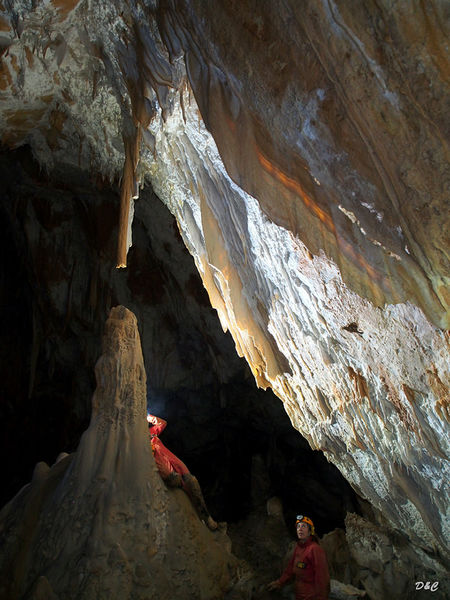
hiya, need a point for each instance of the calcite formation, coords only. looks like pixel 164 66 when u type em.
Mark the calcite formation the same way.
pixel 100 522
pixel 303 148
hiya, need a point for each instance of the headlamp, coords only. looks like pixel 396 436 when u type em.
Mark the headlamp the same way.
pixel 303 519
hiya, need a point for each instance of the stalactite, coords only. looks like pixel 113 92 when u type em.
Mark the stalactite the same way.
pixel 127 193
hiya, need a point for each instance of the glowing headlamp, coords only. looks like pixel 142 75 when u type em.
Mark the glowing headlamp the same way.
pixel 303 519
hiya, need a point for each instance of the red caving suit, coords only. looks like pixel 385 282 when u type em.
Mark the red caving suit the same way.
pixel 165 460
pixel 309 566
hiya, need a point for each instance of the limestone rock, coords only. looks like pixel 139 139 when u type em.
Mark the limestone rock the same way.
pixel 340 561
pixel 100 522
pixel 387 565
pixel 303 148
pixel 341 591
pixel 374 560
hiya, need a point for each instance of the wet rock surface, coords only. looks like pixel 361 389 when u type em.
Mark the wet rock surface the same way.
pixel 303 151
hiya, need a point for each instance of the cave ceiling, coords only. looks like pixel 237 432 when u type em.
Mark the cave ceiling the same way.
pixel 303 149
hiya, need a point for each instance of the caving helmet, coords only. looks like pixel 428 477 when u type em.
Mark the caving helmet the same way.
pixel 303 519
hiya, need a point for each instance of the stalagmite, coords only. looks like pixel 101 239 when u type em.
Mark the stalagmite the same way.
pixel 100 523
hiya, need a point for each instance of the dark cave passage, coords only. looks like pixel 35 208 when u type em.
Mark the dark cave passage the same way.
pixel 57 287
pixel 239 442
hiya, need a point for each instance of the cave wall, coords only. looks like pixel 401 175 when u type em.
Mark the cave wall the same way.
pixel 345 122
pixel 58 287
pixel 302 149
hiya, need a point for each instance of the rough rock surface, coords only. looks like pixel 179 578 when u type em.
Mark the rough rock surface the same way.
pixel 388 566
pixel 303 148
pixel 100 523
pixel 380 562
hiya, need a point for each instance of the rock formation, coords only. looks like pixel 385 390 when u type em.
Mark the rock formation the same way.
pixel 303 149
pixel 100 523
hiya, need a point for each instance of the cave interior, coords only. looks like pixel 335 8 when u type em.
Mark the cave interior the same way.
pixel 236 438
pixel 233 215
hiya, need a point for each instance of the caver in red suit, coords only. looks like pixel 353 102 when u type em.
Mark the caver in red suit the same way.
pixel 175 473
pixel 165 460
pixel 308 565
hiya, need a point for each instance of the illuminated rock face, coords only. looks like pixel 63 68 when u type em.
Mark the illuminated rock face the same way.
pixel 331 275
pixel 100 522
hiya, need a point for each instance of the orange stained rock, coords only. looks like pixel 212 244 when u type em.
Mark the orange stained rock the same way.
pixel 24 119
pixel 288 391
pixel 47 99
pixel 441 391
pixel 19 124
pixel 444 292
pixel 294 186
pixel 231 123
pixel 405 414
pixel 29 56
pixel 359 384
pixel 359 260
pixel 5 76
pixel 4 23
pixel 15 63
pixel 442 407
pixel 356 439
pixel 64 7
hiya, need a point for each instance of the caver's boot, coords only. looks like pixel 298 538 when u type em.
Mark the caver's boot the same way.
pixel 192 488
pixel 211 524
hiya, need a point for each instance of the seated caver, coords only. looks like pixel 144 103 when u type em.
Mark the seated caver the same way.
pixel 175 473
